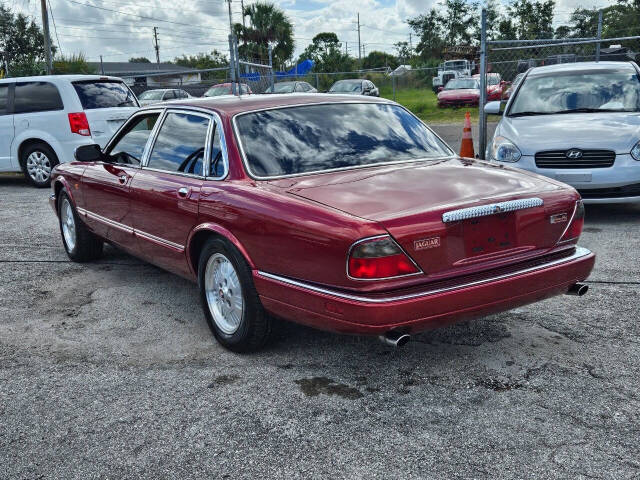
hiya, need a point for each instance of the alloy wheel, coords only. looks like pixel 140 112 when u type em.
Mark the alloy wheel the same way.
pixel 224 293
pixel 68 224
pixel 39 166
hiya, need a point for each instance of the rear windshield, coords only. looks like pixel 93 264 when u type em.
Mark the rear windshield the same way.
pixel 346 87
pixel 281 88
pixel 104 94
pixel 151 95
pixel 462 83
pixel 315 138
pixel 217 91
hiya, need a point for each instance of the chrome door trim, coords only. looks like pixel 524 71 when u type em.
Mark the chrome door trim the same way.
pixel 579 253
pixel 158 240
pixel 491 209
pixel 106 221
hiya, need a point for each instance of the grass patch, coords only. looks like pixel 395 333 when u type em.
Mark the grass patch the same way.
pixel 424 104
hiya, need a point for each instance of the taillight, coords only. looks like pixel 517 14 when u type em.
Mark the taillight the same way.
pixel 574 229
pixel 79 124
pixel 378 258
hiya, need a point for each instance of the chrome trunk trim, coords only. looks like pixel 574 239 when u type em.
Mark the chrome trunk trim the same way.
pixel 491 209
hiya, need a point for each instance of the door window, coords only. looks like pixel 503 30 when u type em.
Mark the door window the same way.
pixel 170 95
pixel 217 160
pixel 180 144
pixel 4 98
pixel 36 97
pixel 129 147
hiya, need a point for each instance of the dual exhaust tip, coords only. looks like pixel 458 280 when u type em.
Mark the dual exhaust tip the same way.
pixel 398 339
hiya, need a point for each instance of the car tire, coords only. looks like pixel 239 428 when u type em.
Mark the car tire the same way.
pixel 37 161
pixel 80 243
pixel 229 298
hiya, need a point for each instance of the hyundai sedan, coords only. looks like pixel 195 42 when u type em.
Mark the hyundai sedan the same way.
pixel 344 214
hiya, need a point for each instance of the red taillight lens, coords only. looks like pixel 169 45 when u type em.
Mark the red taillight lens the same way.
pixel 574 230
pixel 379 258
pixel 79 124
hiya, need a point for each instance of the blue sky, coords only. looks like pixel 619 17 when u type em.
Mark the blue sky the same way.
pixel 117 29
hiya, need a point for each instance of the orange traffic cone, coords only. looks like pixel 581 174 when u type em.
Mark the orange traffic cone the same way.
pixel 466 147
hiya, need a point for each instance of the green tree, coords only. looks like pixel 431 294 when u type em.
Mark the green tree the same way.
pixel 139 60
pixel 326 52
pixel 428 28
pixel 458 21
pixel 376 59
pixel 75 63
pixel 23 43
pixel 268 24
pixel 203 61
pixel 532 19
pixel 404 52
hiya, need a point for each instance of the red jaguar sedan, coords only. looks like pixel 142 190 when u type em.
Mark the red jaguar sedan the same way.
pixel 344 214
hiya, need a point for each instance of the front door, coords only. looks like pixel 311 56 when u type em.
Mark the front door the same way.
pixel 6 130
pixel 166 191
pixel 106 185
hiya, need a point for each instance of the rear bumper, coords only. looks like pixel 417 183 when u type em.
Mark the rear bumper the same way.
pixel 431 308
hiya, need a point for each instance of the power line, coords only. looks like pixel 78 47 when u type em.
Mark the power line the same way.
pixel 55 29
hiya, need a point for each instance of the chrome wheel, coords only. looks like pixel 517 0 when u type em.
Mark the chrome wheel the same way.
pixel 68 224
pixel 224 293
pixel 39 166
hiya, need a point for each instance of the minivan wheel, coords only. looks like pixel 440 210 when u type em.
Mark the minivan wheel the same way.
pixel 229 299
pixel 37 160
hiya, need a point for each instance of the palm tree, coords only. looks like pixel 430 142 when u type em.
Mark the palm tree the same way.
pixel 267 24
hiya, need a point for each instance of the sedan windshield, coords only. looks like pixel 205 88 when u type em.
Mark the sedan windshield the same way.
pixel 217 91
pixel 346 87
pixel 576 92
pixel 462 83
pixel 281 88
pixel 151 95
pixel 316 138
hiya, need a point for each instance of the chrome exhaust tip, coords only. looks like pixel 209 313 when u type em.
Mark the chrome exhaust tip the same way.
pixel 578 289
pixel 395 339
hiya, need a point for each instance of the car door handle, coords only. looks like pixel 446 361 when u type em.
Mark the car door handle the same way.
pixel 122 179
pixel 183 192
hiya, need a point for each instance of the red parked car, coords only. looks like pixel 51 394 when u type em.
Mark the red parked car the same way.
pixel 464 91
pixel 345 215
pixel 496 87
pixel 227 89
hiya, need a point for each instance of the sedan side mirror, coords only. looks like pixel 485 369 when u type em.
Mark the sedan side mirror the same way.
pixel 493 108
pixel 89 153
pixel 440 88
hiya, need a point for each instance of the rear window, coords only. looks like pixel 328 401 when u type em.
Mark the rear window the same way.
pixel 36 97
pixel 104 94
pixel 315 138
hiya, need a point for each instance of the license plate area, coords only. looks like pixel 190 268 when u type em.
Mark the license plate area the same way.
pixel 490 234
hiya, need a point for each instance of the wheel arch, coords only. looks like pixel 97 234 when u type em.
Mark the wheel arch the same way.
pixel 32 140
pixel 200 234
pixel 60 183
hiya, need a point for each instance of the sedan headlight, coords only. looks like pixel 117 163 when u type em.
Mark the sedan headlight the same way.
pixel 635 151
pixel 504 150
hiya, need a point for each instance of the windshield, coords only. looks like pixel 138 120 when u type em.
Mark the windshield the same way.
pixel 315 138
pixel 460 83
pixel 216 91
pixel 493 79
pixel 281 88
pixel 151 95
pixel 104 94
pixel 346 87
pixel 585 91
pixel 455 65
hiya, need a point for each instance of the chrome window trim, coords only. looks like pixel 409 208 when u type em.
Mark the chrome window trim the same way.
pixel 579 253
pixel 384 235
pixel 319 172
pixel 207 146
pixel 491 209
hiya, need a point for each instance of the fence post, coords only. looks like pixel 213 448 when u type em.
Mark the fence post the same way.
pixel 393 82
pixel 482 120
pixel 317 82
pixel 599 35
pixel 271 65
pixel 232 65
pixel 237 66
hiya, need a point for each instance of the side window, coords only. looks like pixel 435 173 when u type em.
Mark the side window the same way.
pixel 170 95
pixel 244 89
pixel 183 94
pixel 4 99
pixel 36 97
pixel 299 87
pixel 180 144
pixel 130 146
pixel 217 162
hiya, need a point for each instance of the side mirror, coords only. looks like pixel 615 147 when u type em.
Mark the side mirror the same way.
pixel 493 108
pixel 89 153
pixel 440 88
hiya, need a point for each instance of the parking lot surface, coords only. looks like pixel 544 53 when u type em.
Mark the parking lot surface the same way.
pixel 108 369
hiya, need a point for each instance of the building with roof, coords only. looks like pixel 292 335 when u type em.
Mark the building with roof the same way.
pixel 148 74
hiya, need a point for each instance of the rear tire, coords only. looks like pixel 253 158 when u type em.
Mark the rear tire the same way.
pixel 37 161
pixel 80 243
pixel 229 298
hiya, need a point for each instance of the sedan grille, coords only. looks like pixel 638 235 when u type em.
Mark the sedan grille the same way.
pixel 575 158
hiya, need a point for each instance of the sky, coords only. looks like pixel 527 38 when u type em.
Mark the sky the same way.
pixel 120 29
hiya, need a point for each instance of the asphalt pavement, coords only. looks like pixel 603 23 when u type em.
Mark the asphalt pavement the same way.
pixel 108 370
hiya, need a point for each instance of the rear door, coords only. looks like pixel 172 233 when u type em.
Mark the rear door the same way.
pixel 6 129
pixel 106 185
pixel 107 103
pixel 166 191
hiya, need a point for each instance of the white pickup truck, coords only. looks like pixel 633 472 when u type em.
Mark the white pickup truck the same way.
pixel 451 69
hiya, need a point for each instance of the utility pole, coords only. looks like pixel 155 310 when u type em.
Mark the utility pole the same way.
pixel 364 45
pixel 242 8
pixel 156 46
pixel 359 47
pixel 230 18
pixel 346 49
pixel 410 44
pixel 47 38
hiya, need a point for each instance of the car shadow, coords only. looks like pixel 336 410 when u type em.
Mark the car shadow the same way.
pixel 612 213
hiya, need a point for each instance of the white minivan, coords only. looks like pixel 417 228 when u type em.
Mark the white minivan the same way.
pixel 44 119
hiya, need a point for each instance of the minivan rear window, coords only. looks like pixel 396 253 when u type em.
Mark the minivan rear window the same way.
pixel 104 94
pixel 36 97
